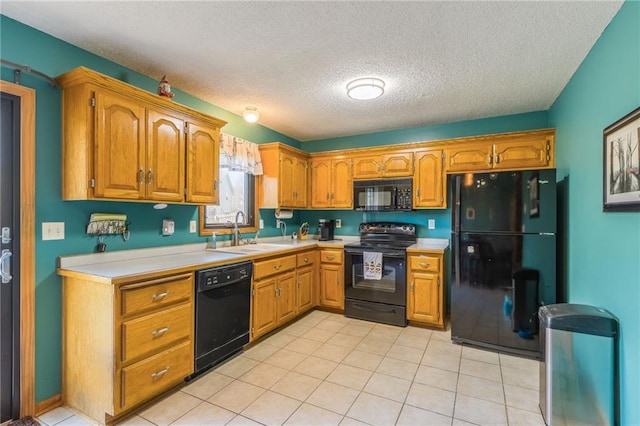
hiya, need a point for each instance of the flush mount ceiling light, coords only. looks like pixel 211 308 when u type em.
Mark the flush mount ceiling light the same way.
pixel 251 114
pixel 364 89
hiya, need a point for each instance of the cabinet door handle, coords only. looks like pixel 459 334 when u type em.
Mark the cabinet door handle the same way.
pixel 215 184
pixel 150 177
pixel 160 331
pixel 5 266
pixel 412 288
pixel 299 284
pixel 160 295
pixel 424 264
pixel 159 373
pixel 277 267
pixel 497 158
pixel 141 176
pixel 489 159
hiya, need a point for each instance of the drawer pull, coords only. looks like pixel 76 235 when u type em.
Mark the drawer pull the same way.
pixel 159 373
pixel 160 331
pixel 160 295
pixel 331 257
pixel 306 260
pixel 277 267
pixel 423 264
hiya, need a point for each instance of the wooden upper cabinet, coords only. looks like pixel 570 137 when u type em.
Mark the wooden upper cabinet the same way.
pixel 300 181
pixel 122 143
pixel 341 184
pixel 469 157
pixel 321 177
pixel 528 153
pixel 120 147
pixel 165 156
pixel 285 179
pixel 331 183
pixel 429 181
pixel 383 165
pixel 526 150
pixel 203 161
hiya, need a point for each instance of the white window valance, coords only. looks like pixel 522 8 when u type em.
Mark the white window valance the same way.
pixel 240 154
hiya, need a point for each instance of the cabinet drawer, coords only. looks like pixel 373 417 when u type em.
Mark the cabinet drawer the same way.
pixel 273 266
pixel 147 334
pixel 306 258
pixel 147 378
pixel 424 263
pixel 331 256
pixel 155 294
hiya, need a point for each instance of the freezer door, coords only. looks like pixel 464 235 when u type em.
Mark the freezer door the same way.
pixel 498 283
pixel 521 201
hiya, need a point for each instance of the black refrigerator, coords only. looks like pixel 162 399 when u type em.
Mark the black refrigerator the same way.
pixel 504 258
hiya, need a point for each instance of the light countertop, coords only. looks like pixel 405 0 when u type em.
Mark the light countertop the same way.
pixel 181 258
pixel 128 263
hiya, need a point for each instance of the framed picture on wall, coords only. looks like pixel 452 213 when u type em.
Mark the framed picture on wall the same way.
pixel 621 169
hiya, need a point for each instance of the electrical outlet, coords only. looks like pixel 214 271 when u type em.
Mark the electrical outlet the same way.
pixel 192 226
pixel 168 227
pixel 261 224
pixel 52 231
pixel 338 223
pixel 432 224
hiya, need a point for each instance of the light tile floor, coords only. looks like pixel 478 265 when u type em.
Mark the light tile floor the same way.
pixel 326 369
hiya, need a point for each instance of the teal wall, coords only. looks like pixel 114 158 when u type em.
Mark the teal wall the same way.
pixel 603 249
pixel 483 126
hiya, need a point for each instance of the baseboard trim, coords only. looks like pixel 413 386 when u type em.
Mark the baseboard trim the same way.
pixel 48 404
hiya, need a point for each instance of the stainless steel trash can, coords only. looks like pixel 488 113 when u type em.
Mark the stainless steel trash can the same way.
pixel 578 346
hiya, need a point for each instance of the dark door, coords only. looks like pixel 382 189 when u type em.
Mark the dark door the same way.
pixel 9 288
pixel 520 201
pixel 499 281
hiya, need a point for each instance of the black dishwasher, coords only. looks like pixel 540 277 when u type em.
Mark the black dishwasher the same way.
pixel 223 300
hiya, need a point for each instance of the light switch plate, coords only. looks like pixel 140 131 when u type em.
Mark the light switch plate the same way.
pixel 432 224
pixel 261 224
pixel 52 231
pixel 338 223
pixel 168 227
pixel 192 226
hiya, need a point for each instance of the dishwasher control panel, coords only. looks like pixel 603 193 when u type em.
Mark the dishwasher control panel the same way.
pixel 223 275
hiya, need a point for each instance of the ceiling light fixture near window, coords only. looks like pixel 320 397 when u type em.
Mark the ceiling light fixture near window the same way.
pixel 251 114
pixel 364 89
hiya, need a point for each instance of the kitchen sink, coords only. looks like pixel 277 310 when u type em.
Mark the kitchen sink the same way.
pixel 252 248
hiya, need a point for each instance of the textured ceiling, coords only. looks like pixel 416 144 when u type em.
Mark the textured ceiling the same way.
pixel 442 61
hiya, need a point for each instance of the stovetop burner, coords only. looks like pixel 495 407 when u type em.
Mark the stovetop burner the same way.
pixel 385 235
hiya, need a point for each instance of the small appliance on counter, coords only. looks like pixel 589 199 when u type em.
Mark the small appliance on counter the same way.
pixel 326 227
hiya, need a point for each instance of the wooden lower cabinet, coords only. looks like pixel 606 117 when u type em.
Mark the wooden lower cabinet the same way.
pixel 273 296
pixel 306 287
pixel 263 306
pixel 125 342
pixel 425 292
pixel 331 278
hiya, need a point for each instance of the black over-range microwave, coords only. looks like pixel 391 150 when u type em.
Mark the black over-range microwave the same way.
pixel 383 195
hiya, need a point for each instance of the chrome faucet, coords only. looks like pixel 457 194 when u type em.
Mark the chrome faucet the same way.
pixel 237 238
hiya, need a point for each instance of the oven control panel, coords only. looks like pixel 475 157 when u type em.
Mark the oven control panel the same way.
pixel 387 228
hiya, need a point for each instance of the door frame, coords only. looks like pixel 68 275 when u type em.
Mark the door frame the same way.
pixel 27 243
